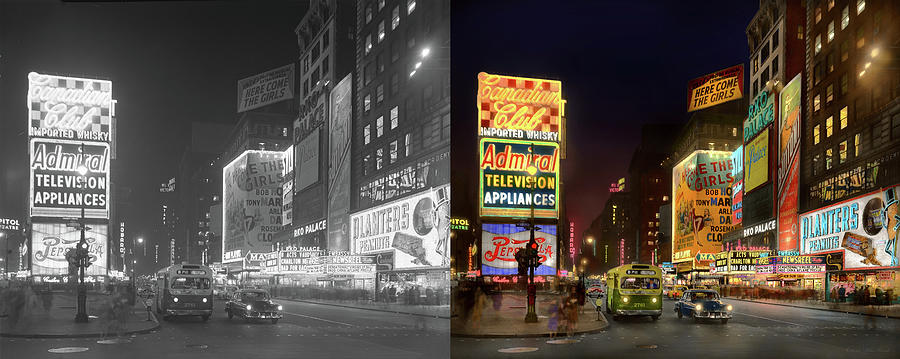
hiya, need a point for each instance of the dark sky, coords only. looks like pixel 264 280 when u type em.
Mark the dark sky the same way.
pixel 171 63
pixel 622 64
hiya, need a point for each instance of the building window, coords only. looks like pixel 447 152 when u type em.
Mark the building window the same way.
pixel 818 14
pixel 818 44
pixel 367 165
pixel 844 84
pixel 845 51
pixel 764 53
pixel 856 145
pixel 774 65
pixel 379 62
pixel 325 66
pixel 799 32
pixel 845 17
pixel 395 83
pixel 381 31
pixel 775 39
pixel 396 49
pixel 829 62
pixel 379 126
pixel 876 26
pixel 829 126
pixel 368 14
pixel 380 5
pixel 367 103
pixel 395 117
pixel 325 39
pixel 395 17
pixel 379 159
pixel 368 43
pixel 379 93
pixel 368 74
pixel 665 198
pixel 843 151
pixel 734 132
pixel 410 6
pixel 817 164
pixel 818 73
pixel 860 6
pixel 816 135
pixel 828 158
pixel 394 151
pixel 410 38
pixel 844 117
pixel 816 103
pixel 829 93
pixel 830 31
pixel 860 37
pixel 367 134
pixel 408 146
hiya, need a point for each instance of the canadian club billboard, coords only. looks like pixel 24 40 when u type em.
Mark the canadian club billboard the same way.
pixel 500 242
pixel 508 190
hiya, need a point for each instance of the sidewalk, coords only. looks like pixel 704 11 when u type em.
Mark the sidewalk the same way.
pixel 59 321
pixel 436 311
pixel 509 321
pixel 888 311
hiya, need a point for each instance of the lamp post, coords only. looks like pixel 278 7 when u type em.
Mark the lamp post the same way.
pixel 140 240
pixel 81 253
pixel 531 315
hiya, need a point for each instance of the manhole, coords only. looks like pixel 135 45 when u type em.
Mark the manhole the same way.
pixel 68 350
pixel 114 341
pixel 197 346
pixel 647 346
pixel 518 350
pixel 563 341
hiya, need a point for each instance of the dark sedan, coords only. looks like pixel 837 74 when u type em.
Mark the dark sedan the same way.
pixel 253 304
pixel 703 304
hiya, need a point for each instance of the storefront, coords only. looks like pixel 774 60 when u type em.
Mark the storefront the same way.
pixel 852 286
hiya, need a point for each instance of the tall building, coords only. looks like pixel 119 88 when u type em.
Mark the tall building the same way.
pixel 775 37
pixel 401 138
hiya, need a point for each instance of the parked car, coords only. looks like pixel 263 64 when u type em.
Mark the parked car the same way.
pixel 677 291
pixel 253 304
pixel 595 291
pixel 703 304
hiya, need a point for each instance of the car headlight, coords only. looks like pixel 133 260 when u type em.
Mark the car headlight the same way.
pixel 729 307
pixel 654 299
pixel 249 307
pixel 280 307
pixel 625 299
pixel 175 299
pixel 204 300
pixel 698 307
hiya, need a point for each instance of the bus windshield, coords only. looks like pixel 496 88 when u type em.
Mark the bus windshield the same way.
pixel 640 283
pixel 190 283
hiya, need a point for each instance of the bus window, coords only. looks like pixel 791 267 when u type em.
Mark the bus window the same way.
pixel 640 283
pixel 190 283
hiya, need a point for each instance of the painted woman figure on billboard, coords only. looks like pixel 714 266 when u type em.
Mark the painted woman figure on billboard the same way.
pixel 442 225
pixel 891 222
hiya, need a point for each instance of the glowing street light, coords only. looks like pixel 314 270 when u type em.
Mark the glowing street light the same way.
pixel 140 240
pixel 425 52
pixel 875 52
pixel 590 240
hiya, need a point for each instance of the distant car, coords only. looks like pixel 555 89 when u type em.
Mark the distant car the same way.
pixel 253 304
pixel 703 304
pixel 595 291
pixel 667 289
pixel 677 291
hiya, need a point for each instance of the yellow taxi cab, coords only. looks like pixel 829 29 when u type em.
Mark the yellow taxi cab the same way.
pixel 677 291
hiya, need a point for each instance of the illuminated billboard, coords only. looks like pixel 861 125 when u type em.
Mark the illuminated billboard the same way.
pixel 865 228
pixel 789 165
pixel 701 213
pixel 506 186
pixel 416 229
pixel 266 88
pixel 57 189
pixel 756 162
pixel 251 194
pixel 500 242
pixel 307 154
pixel 50 241
pixel 287 189
pixel 70 108
pixel 716 88
pixel 762 112
pixel 341 103
pixel 519 108
pixel 737 189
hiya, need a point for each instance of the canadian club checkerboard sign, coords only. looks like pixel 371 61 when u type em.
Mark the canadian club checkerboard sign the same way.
pixel 70 108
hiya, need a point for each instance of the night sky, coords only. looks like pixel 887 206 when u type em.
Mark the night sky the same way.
pixel 171 63
pixel 622 64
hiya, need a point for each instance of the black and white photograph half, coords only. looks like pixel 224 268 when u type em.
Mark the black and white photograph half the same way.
pixel 225 179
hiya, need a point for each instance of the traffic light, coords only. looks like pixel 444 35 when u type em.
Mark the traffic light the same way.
pixel 522 259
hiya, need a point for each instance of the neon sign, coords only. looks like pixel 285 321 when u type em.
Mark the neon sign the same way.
pixel 519 107
pixel 507 189
pixel 70 107
pixel 58 189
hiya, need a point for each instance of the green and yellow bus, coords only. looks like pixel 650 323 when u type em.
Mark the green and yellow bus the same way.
pixel 634 289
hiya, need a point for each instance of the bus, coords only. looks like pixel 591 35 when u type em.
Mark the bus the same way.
pixel 184 290
pixel 634 289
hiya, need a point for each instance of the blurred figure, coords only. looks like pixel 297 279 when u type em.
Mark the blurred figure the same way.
pixel 572 312
pixel 475 316
pixel 553 321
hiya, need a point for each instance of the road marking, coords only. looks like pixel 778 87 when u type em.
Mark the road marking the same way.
pixel 774 320
pixel 320 319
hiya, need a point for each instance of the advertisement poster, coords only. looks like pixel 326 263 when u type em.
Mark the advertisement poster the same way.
pixel 307 152
pixel 506 186
pixel 519 108
pixel 744 261
pixel 416 229
pixel 700 216
pixel 58 190
pixel 737 189
pixel 70 108
pixel 252 195
pixel 287 189
pixel 716 88
pixel 856 226
pixel 50 241
pixel 762 112
pixel 756 162
pixel 500 242
pixel 789 166
pixel 266 88
pixel 339 166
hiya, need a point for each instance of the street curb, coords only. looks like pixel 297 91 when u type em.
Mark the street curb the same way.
pixel 813 308
pixel 88 335
pixel 372 309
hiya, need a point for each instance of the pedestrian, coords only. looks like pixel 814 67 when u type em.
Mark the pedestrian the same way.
pixel 871 292
pixel 581 294
pixel 842 293
pixel 572 309
pixel 553 320
pixel 475 318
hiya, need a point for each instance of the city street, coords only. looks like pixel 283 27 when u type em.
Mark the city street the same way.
pixel 757 330
pixel 307 330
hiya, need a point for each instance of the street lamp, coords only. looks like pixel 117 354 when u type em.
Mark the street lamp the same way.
pixel 81 253
pixel 140 240
pixel 5 258
pixel 531 315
